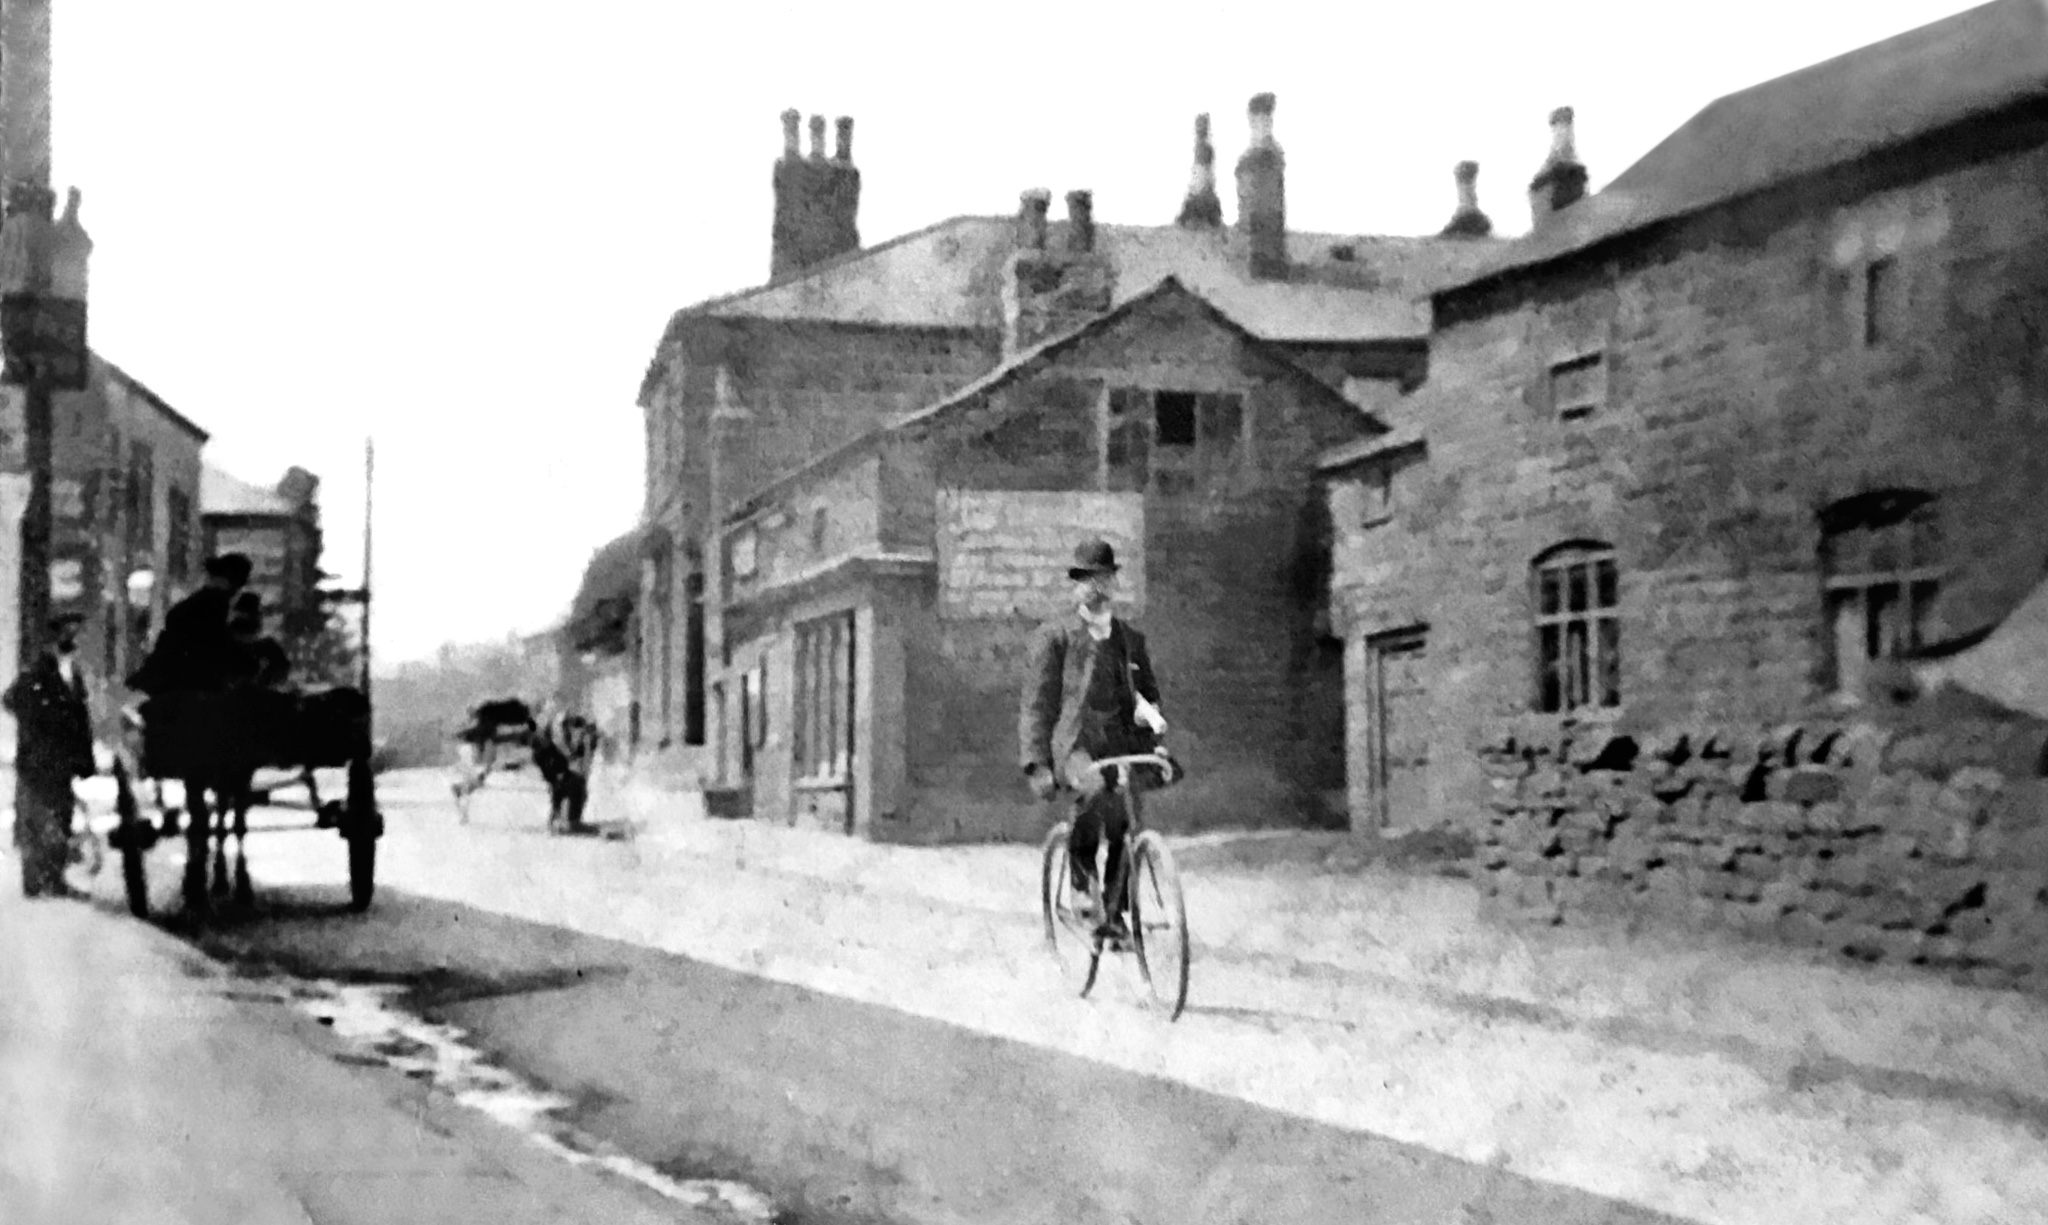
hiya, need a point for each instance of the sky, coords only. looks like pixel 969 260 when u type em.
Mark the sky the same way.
pixel 460 226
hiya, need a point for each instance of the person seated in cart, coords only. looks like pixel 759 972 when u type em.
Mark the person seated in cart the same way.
pixel 264 662
pixel 565 751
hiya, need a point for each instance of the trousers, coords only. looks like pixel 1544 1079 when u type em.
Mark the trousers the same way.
pixel 42 830
pixel 1099 814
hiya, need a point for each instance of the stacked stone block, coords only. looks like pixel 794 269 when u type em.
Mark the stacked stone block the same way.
pixel 1925 845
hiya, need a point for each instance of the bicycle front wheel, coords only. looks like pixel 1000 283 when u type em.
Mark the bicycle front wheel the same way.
pixel 1069 934
pixel 1159 923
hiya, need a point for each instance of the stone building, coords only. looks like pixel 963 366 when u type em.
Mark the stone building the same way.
pixel 279 529
pixel 1635 587
pixel 125 523
pixel 847 465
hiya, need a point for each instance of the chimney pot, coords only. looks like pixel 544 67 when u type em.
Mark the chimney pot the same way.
pixel 1260 114
pixel 1201 209
pixel 818 136
pixel 1561 136
pixel 1032 209
pixel 1080 222
pixel 1562 180
pixel 845 138
pixel 1468 221
pixel 792 119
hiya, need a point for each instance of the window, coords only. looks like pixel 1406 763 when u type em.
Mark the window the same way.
pixel 1883 301
pixel 1377 485
pixel 1880 572
pixel 141 490
pixel 1167 440
pixel 1175 413
pixel 1578 628
pixel 179 561
pixel 743 553
pixel 693 660
pixel 1129 441
pixel 824 698
pixel 1578 385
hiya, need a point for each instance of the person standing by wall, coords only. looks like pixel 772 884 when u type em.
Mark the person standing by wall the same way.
pixel 53 747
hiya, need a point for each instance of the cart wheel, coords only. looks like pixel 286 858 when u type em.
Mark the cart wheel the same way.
pixel 1068 935
pixel 362 871
pixel 364 826
pixel 197 846
pixel 134 839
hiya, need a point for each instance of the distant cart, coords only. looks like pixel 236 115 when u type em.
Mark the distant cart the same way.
pixel 500 735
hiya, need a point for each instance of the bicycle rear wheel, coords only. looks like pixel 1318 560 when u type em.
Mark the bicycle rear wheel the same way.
pixel 1159 923
pixel 1069 935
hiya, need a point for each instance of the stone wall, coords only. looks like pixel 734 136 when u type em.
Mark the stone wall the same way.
pixel 1228 605
pixel 1923 843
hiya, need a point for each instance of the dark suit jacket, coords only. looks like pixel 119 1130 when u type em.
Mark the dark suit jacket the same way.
pixel 195 649
pixel 1062 665
pixel 54 737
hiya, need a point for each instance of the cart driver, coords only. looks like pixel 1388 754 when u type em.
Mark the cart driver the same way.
pixel 196 650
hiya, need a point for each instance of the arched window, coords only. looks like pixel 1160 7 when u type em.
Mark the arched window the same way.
pixel 1880 561
pixel 1578 627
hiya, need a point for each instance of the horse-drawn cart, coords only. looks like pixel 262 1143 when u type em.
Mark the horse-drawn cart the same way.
pixel 213 744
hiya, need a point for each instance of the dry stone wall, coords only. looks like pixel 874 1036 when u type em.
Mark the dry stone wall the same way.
pixel 1918 844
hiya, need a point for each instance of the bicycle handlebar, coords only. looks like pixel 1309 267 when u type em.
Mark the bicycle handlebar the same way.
pixel 1134 759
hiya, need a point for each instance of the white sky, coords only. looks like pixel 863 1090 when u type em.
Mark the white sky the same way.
pixel 460 225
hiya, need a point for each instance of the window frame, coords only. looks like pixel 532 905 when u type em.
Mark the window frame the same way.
pixel 1586 680
pixel 1594 359
pixel 1905 524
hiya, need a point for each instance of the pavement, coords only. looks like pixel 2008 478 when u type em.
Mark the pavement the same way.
pixel 138 1086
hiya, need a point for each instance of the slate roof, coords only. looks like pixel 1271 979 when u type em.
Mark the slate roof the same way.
pixel 949 275
pixel 1822 115
pixel 1030 360
pixel 222 494
pixel 136 385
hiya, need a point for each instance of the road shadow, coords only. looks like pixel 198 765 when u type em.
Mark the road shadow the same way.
pixel 854 1114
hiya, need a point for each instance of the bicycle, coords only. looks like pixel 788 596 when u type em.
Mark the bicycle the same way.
pixel 1158 928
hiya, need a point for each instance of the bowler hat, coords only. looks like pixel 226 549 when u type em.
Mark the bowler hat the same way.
pixel 234 567
pixel 1092 557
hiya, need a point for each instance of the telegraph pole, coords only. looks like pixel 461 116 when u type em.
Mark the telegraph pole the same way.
pixel 42 290
pixel 369 487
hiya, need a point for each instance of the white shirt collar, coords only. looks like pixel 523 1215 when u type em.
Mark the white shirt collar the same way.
pixel 1098 623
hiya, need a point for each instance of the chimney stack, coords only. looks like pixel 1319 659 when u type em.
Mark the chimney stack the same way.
pixel 1080 222
pixel 1468 221
pixel 1262 194
pixel 817 201
pixel 1048 292
pixel 1562 180
pixel 1202 210
pixel 792 119
pixel 1033 208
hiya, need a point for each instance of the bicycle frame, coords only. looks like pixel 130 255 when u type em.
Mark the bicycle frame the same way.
pixel 1124 765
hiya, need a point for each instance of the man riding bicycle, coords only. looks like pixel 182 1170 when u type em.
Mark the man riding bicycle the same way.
pixel 1089 693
